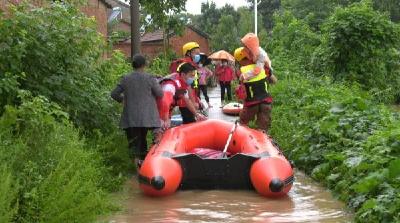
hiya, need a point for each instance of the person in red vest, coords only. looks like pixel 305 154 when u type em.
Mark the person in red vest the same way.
pixel 177 92
pixel 191 54
pixel 225 74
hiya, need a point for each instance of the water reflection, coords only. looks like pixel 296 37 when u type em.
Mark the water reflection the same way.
pixel 306 202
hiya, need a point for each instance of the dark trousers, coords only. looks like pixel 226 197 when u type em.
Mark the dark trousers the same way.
pixel 137 142
pixel 260 111
pixel 203 88
pixel 225 85
pixel 187 115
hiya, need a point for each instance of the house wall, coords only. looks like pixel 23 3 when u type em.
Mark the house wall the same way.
pixel 124 47
pixel 153 49
pixel 94 8
pixel 189 35
pixel 123 26
pixel 98 10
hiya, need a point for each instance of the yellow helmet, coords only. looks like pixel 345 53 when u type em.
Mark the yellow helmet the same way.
pixel 239 54
pixel 189 46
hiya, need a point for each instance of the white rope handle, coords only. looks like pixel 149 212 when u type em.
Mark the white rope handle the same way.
pixel 229 139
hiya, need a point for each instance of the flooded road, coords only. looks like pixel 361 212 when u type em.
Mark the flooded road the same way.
pixel 306 202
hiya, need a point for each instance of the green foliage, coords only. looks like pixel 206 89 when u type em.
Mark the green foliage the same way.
pixel 58 135
pixel 113 68
pixel 225 36
pixel 313 11
pixel 208 18
pixel 343 138
pixel 159 66
pixel 390 6
pixel 266 8
pixel 163 15
pixel 58 50
pixel 8 192
pixel 56 178
pixel 246 22
pixel 360 45
pixel 292 42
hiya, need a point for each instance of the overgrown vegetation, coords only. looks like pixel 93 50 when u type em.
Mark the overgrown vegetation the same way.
pixel 336 129
pixel 360 45
pixel 61 152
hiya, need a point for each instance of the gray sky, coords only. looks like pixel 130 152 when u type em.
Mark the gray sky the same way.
pixel 194 6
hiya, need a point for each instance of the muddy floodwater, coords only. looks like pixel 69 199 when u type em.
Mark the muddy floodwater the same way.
pixel 306 202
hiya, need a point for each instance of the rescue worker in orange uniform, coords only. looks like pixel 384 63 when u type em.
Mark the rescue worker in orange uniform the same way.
pixel 191 52
pixel 177 92
pixel 257 100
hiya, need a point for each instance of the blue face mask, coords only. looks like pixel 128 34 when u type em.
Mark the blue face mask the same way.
pixel 196 58
pixel 190 80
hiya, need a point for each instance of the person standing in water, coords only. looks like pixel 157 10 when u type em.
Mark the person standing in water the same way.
pixel 138 92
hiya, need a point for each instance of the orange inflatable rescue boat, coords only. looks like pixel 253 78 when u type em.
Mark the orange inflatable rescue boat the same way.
pixel 232 108
pixel 251 160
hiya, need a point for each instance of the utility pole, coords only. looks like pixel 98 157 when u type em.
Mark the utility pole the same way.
pixel 135 32
pixel 255 16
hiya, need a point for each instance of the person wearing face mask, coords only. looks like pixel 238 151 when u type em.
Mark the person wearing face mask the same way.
pixel 204 74
pixel 177 92
pixel 191 54
pixel 225 75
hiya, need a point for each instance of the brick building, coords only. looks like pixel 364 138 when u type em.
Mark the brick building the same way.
pixel 152 43
pixel 96 8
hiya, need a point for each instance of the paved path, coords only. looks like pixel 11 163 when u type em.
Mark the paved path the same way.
pixel 216 112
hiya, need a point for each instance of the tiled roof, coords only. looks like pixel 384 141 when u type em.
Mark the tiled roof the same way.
pixel 153 36
pixel 158 35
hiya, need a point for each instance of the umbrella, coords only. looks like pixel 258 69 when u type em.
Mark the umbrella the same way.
pixel 222 55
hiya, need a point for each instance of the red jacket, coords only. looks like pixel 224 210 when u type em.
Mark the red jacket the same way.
pixel 174 65
pixel 224 73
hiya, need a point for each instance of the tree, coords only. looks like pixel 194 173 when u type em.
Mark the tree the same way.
pixel 267 8
pixel 317 11
pixel 246 21
pixel 313 11
pixel 361 45
pixel 390 6
pixel 209 18
pixel 162 16
pixel 230 10
pixel 135 30
pixel 225 36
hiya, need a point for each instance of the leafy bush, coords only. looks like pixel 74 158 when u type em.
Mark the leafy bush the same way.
pixel 360 45
pixel 343 138
pixel 59 52
pixel 8 192
pixel 56 178
pixel 159 66
pixel 292 42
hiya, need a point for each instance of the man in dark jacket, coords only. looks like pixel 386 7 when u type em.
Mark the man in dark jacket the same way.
pixel 138 92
